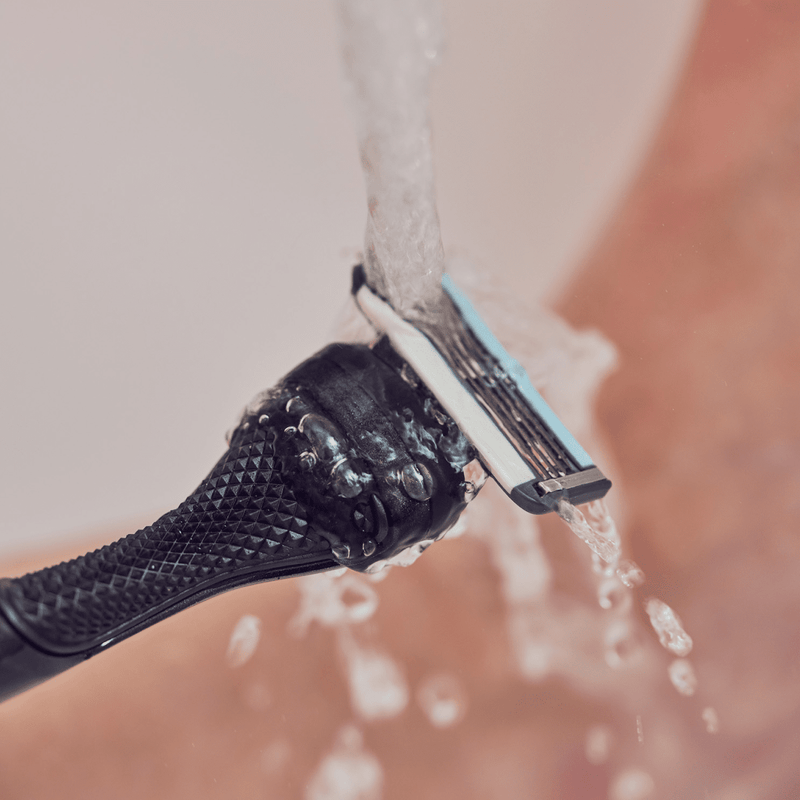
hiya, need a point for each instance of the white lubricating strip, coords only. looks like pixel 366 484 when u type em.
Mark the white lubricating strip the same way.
pixel 499 456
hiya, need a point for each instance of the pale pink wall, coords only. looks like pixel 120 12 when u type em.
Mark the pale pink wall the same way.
pixel 181 199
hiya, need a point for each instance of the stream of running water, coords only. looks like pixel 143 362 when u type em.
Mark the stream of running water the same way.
pixel 389 50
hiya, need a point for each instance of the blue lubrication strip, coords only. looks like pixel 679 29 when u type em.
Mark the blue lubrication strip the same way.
pixel 515 370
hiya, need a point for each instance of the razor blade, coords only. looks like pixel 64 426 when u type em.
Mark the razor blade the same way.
pixel 519 439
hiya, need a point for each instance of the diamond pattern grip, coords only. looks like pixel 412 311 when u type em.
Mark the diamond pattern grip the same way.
pixel 242 524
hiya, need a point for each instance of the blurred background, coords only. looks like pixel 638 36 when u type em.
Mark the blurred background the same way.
pixel 181 199
pixel 182 202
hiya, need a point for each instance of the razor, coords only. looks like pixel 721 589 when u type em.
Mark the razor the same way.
pixel 519 439
pixel 357 454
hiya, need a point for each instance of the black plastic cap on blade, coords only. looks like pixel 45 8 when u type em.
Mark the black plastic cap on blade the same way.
pixel 541 497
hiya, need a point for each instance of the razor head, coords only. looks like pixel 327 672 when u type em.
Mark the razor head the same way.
pixel 519 439
pixel 376 463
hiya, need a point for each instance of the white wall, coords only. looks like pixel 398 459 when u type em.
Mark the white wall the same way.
pixel 181 200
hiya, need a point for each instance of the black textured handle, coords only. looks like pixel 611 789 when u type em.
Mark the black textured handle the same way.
pixel 343 463
pixel 242 524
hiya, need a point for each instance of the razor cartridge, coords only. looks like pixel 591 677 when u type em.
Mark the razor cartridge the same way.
pixel 519 439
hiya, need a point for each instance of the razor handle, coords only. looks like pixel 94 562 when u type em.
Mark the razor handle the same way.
pixel 343 463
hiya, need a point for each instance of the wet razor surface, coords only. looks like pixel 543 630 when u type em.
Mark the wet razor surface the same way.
pixel 695 283
pixel 342 463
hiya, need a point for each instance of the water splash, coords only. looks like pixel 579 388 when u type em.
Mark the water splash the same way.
pixel 389 52
pixel 622 645
pixel 515 548
pixel 341 600
pixel 378 688
pixel 682 675
pixel 534 647
pixel 630 574
pixel 612 594
pixel 603 542
pixel 333 598
pixel 443 700
pixel 668 626
pixel 378 570
pixel 243 641
pixel 518 556
pixel 405 558
pixel 348 772
pixel 711 720
pixel 632 784
pixel 599 739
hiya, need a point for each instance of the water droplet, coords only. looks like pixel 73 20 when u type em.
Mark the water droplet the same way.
pixel 341 551
pixel 475 474
pixel 639 729
pixel 290 430
pixel 297 406
pixel 711 720
pixel 443 700
pixel 621 644
pixel 632 784
pixel 668 626
pixel 369 546
pixel 357 599
pixel 346 482
pixel 417 481
pixel 681 673
pixel 362 518
pixel 333 598
pixel 535 658
pixel 308 460
pixel 409 376
pixel 630 574
pixel 263 419
pixel 244 640
pixel 393 478
pixel 378 571
pixel 327 441
pixel 378 689
pixel 612 594
pixel 432 408
pixel 348 772
pixel 598 744
pixel 405 558
pixel 600 567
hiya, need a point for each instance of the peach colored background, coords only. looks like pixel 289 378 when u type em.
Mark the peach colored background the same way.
pixel 695 279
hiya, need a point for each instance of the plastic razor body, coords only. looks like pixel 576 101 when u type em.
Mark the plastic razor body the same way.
pixel 343 463
pixel 518 437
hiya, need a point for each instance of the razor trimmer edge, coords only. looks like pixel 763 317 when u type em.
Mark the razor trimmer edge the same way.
pixel 519 438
